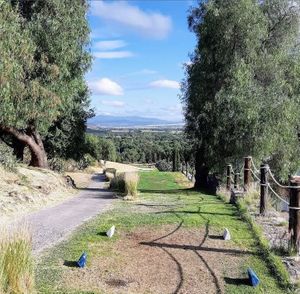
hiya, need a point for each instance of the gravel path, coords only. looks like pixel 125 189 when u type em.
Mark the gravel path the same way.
pixel 51 225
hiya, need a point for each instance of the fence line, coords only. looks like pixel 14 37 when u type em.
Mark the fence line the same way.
pixel 262 176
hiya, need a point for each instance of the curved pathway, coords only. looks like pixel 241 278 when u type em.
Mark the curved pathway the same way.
pixel 51 225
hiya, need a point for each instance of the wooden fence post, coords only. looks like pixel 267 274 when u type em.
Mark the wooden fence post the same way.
pixel 228 175
pixel 247 172
pixel 294 217
pixel 263 188
pixel 236 180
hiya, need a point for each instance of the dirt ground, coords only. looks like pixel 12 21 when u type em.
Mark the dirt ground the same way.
pixel 170 259
pixel 28 189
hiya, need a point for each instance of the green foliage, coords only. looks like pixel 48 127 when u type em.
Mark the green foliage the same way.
pixel 99 148
pixel 241 92
pixel 151 147
pixel 86 161
pixel 44 57
pixel 7 159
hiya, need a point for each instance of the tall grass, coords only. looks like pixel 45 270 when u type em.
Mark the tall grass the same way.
pixel 131 183
pixel 16 263
pixel 126 183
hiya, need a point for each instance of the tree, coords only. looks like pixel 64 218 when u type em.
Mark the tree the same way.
pixel 45 56
pixel 176 158
pixel 240 91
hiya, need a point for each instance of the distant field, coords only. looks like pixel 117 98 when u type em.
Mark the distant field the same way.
pixel 168 241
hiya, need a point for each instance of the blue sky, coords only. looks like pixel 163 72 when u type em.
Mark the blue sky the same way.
pixel 139 49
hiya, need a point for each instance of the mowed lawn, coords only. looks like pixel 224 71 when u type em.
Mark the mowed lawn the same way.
pixel 168 241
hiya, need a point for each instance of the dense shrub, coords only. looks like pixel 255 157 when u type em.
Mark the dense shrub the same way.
pixel 163 165
pixel 7 159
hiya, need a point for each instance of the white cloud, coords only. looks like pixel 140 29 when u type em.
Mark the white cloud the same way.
pixel 125 15
pixel 106 86
pixel 114 103
pixel 165 84
pixel 110 45
pixel 113 54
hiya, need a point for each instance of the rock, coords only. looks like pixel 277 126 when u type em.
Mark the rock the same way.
pixel 70 182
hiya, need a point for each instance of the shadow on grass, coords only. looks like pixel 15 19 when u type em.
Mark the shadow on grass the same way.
pixel 70 263
pixel 235 214
pixel 102 234
pixel 167 191
pixel 236 281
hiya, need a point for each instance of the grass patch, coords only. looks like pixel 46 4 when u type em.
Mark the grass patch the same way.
pixel 164 200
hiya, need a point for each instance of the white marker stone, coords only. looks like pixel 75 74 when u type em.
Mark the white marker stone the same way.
pixel 226 235
pixel 111 231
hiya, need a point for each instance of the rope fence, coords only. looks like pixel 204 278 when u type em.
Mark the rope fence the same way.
pixel 249 172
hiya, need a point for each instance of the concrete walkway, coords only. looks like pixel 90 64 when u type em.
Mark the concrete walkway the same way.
pixel 51 225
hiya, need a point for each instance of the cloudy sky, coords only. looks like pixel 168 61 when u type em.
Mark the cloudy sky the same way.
pixel 139 48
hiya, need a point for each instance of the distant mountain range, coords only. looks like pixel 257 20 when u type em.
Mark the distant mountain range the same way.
pixel 109 121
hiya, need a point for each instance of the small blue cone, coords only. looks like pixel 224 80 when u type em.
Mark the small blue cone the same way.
pixel 82 260
pixel 253 278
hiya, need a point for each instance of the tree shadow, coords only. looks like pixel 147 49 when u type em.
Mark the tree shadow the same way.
pixel 70 263
pixel 197 212
pixel 166 191
pixel 237 281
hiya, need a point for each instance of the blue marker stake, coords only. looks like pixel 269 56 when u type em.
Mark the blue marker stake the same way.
pixel 253 278
pixel 82 260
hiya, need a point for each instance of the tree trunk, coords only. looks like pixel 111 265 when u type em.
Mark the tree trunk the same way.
pixel 18 147
pixel 202 171
pixel 32 139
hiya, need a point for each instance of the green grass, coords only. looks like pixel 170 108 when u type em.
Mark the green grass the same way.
pixel 192 208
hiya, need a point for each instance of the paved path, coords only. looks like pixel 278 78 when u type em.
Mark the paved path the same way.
pixel 51 225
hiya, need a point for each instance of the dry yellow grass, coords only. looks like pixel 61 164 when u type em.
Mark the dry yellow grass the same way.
pixel 29 189
pixel 81 179
pixel 131 183
pixel 120 167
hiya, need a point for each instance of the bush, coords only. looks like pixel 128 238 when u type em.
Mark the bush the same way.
pixel 163 165
pixel 86 161
pixel 57 164
pixel 7 159
pixel 131 183
pixel 16 263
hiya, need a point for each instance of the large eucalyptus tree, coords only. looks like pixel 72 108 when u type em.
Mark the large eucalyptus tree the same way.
pixel 241 92
pixel 44 56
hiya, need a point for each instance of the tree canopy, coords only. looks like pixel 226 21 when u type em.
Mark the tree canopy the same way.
pixel 44 59
pixel 241 94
